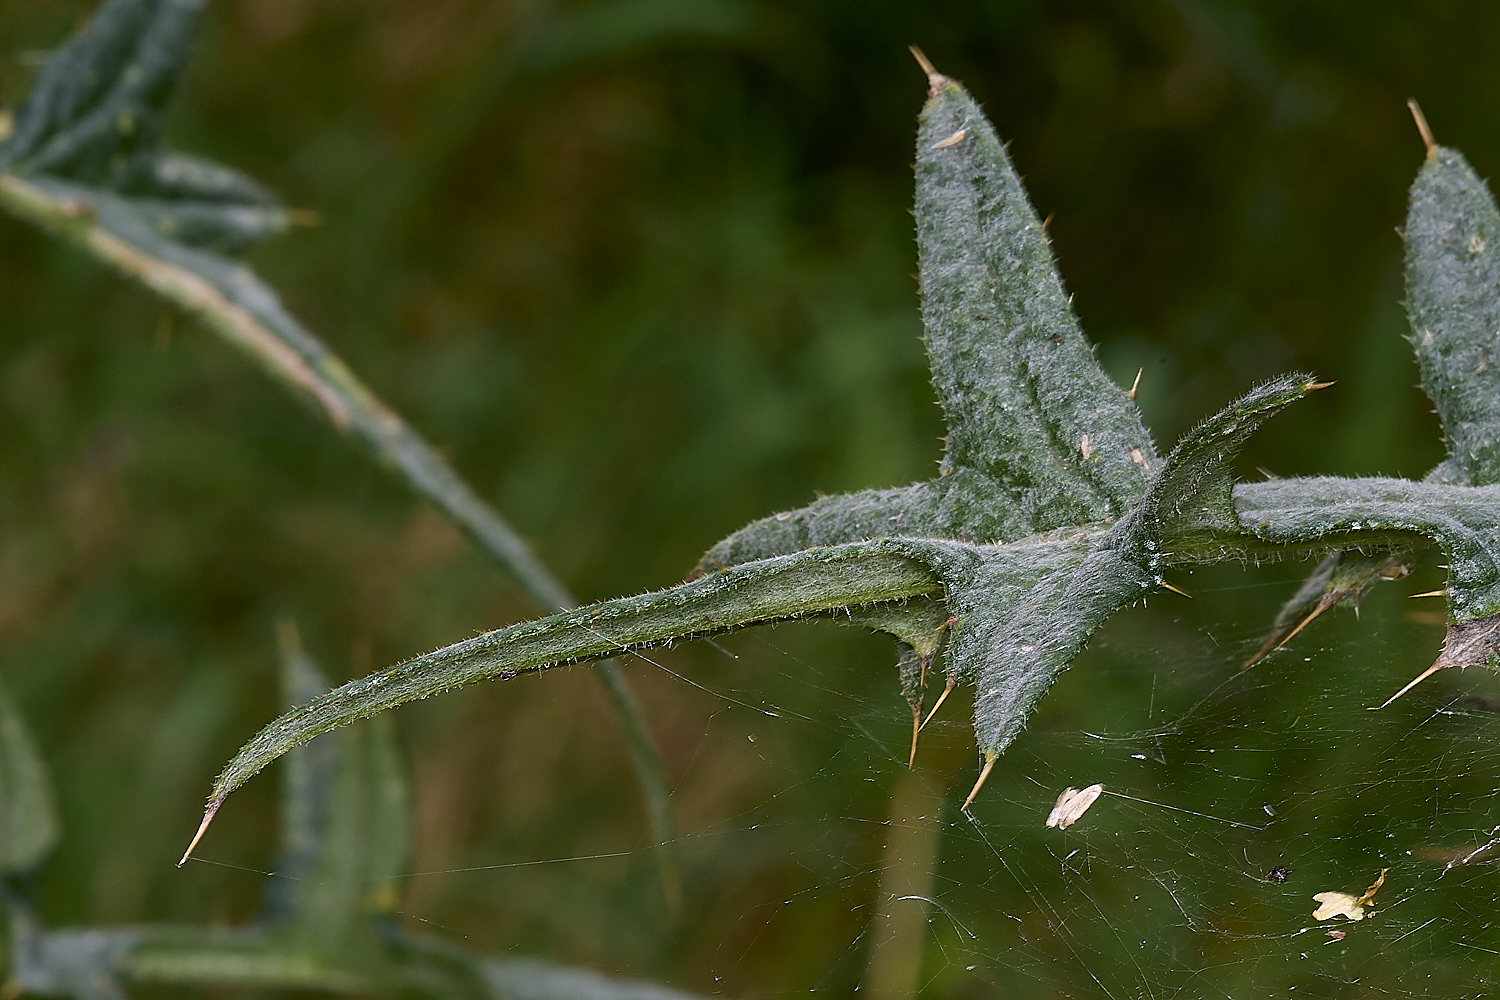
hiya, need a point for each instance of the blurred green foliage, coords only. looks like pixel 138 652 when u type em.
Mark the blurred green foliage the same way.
pixel 641 300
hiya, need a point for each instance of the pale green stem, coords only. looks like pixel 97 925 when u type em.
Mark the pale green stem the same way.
pixel 798 585
pixel 237 306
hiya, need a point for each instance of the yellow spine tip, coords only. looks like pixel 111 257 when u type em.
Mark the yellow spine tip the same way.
pixel 935 80
pixel 208 817
pixel 989 765
pixel 916 729
pixel 1422 127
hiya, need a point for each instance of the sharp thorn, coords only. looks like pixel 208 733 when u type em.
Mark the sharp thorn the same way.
pixel 916 727
pixel 989 765
pixel 1422 128
pixel 1273 644
pixel 1436 666
pixel 1322 607
pixel 1315 386
pixel 1177 590
pixel 208 817
pixel 935 80
pixel 1260 654
pixel 1136 384
pixel 947 690
pixel 1433 593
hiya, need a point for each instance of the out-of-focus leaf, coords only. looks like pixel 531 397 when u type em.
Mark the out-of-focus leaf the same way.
pixel 1341 576
pixel 530 980
pixel 95 118
pixel 83 964
pixel 306 777
pixel 28 813
pixel 86 160
pixel 345 819
pixel 104 964
pixel 363 845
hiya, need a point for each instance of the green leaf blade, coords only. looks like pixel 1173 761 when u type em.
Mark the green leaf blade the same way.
pixel 1025 398
pixel 811 582
pixel 1022 621
pixel 1190 503
pixel 28 810
pixel 1377 513
pixel 1453 300
pixel 97 111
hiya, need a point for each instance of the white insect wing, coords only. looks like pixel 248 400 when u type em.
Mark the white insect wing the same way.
pixel 1072 804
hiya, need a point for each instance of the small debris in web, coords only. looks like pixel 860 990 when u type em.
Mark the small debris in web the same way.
pixel 952 140
pixel 1343 904
pixel 1278 875
pixel 1336 934
pixel 1072 804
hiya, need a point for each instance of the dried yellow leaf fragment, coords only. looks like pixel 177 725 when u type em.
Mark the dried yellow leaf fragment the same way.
pixel 952 140
pixel 1343 904
pixel 1072 804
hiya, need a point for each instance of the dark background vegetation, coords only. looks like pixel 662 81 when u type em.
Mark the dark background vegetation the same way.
pixel 638 302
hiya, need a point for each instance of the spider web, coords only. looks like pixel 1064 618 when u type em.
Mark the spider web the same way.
pixel 1232 796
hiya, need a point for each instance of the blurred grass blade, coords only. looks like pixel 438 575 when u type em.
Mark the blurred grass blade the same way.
pixel 345 820
pixel 1025 398
pixel 82 964
pixel 28 813
pixel 533 980
pixel 1453 300
pixel 87 162
pixel 306 777
pixel 363 841
pixel 97 964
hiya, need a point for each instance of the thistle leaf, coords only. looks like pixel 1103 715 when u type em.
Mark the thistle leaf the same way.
pixel 1190 502
pixel 966 503
pixel 1025 398
pixel 1025 615
pixel 96 116
pixel 1383 513
pixel 811 582
pixel 1453 300
pixel 28 813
